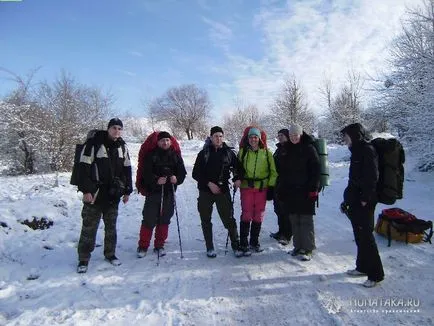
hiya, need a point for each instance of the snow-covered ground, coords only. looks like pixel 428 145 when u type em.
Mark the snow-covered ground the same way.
pixel 39 284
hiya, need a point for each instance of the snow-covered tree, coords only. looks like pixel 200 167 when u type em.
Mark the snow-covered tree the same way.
pixel 290 107
pixel 235 123
pixel 409 89
pixel 185 108
pixel 343 108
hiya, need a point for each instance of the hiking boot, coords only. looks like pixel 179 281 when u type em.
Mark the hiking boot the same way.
pixel 246 251
pixel 275 235
pixel 294 252
pixel 211 253
pixel 369 284
pixel 257 248
pixel 355 272
pixel 283 240
pixel 306 256
pixel 82 267
pixel 160 251
pixel 238 253
pixel 141 252
pixel 113 260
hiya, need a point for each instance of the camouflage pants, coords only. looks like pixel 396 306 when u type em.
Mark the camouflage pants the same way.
pixel 91 215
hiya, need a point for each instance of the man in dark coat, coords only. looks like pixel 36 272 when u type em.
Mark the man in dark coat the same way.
pixel 104 177
pixel 162 171
pixel 299 173
pixel 360 199
pixel 212 170
pixel 284 234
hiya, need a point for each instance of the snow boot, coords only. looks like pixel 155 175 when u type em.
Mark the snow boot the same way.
pixel 255 229
pixel 82 267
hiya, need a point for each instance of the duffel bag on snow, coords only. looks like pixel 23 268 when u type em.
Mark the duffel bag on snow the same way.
pixel 400 225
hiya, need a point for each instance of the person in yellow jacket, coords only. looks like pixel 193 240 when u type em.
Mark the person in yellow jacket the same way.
pixel 258 175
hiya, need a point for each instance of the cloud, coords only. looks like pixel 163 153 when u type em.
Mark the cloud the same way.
pixel 126 72
pixel 311 38
pixel 136 53
pixel 219 33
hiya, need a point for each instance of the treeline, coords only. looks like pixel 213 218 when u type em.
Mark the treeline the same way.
pixel 42 121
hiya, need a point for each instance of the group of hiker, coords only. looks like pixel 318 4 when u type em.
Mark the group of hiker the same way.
pixel 290 178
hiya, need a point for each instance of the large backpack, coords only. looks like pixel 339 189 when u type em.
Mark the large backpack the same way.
pixel 90 137
pixel 391 160
pixel 150 143
pixel 77 155
pixel 400 225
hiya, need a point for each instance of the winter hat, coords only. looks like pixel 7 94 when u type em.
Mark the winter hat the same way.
pixel 284 131
pixel 295 129
pixel 115 122
pixel 254 132
pixel 216 129
pixel 163 134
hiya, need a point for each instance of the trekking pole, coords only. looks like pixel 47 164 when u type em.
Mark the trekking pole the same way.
pixel 227 237
pixel 159 220
pixel 177 219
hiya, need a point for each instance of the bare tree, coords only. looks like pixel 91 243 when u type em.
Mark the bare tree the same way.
pixel 290 107
pixel 343 108
pixel 186 108
pixel 72 110
pixel 234 124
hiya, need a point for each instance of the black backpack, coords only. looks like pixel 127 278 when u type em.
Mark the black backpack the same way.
pixel 77 155
pixel 391 160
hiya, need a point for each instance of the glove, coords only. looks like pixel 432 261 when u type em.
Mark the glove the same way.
pixel 270 193
pixel 313 195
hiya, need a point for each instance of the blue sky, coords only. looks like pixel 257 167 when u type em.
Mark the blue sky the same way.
pixel 239 50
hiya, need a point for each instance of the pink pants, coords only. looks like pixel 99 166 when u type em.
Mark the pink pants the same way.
pixel 253 204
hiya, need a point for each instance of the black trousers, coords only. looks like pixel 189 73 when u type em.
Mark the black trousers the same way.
pixel 368 259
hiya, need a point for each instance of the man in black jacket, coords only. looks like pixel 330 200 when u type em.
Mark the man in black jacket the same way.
pixel 163 170
pixel 104 177
pixel 360 199
pixel 212 172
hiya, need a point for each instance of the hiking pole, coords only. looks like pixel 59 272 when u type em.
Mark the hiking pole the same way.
pixel 159 220
pixel 177 219
pixel 227 237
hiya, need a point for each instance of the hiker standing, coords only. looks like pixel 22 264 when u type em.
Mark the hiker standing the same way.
pixel 259 174
pixel 211 170
pixel 104 176
pixel 360 199
pixel 160 170
pixel 299 175
pixel 284 234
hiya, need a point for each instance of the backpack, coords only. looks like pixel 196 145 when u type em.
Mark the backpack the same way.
pixel 77 155
pixel 150 143
pixel 320 145
pixel 400 225
pixel 391 160
pixel 75 176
